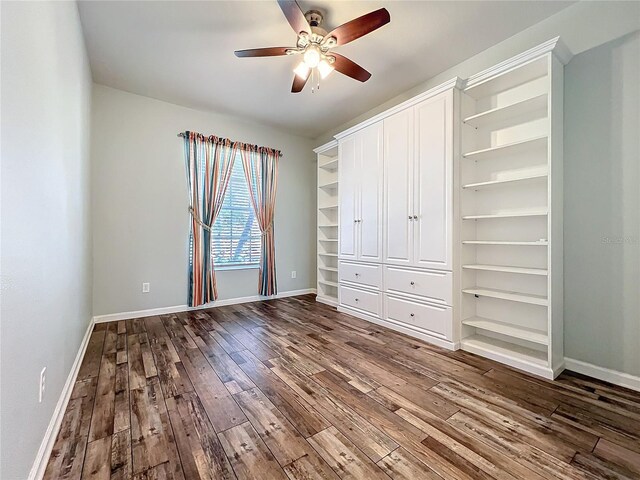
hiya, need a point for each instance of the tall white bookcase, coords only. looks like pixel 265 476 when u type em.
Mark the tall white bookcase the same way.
pixel 327 232
pixel 510 199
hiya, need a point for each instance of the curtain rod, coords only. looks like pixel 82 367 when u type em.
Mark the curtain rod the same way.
pixel 181 134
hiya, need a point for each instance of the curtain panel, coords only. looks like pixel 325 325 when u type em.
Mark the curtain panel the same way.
pixel 261 170
pixel 209 162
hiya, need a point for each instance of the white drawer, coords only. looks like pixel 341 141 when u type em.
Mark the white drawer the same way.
pixel 368 302
pixel 361 273
pixel 430 318
pixel 434 285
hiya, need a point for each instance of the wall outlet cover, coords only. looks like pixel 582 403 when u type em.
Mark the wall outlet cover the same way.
pixel 293 274
pixel 43 384
pixel 146 287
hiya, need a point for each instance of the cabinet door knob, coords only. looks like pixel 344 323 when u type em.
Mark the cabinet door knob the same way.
pixel 357 299
pixel 410 217
pixel 413 283
pixel 412 315
pixel 357 274
pixel 415 217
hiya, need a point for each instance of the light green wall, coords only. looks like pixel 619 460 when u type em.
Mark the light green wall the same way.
pixel 46 223
pixel 602 206
pixel 141 222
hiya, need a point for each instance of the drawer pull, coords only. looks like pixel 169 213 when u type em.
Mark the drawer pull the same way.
pixel 357 300
pixel 412 315
pixel 413 283
pixel 357 274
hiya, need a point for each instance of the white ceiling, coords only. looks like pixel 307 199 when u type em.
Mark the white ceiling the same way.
pixel 182 52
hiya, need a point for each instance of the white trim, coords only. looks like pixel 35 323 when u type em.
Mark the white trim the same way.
pixel 402 329
pixel 327 146
pixel 555 45
pixel 327 300
pixel 455 82
pixel 601 373
pixel 44 452
pixel 112 317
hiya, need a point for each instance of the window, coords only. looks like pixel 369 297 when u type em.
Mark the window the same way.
pixel 236 235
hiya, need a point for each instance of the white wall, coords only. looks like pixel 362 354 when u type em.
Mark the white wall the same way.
pixel 46 226
pixel 602 206
pixel 141 222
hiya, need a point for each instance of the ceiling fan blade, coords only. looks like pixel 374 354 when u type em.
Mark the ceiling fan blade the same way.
pixel 349 68
pixel 295 16
pixel 360 26
pixel 262 52
pixel 298 84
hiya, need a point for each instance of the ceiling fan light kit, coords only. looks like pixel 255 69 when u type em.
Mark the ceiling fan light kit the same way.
pixel 314 44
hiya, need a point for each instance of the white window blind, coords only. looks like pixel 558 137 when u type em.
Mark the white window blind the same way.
pixel 236 235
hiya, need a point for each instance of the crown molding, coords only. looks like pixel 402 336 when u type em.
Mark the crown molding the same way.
pixel 455 82
pixel 555 46
pixel 327 146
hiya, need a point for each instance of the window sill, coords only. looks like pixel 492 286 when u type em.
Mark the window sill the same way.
pixel 223 268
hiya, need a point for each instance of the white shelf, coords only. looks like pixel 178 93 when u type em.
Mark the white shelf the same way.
pixel 508 148
pixel 505 269
pixel 508 329
pixel 329 186
pixel 328 269
pixel 529 109
pixel 327 239
pixel 539 213
pixel 330 166
pixel 502 242
pixel 509 79
pixel 503 181
pixel 328 207
pixel 504 351
pixel 327 282
pixel 506 295
pixel 328 254
pixel 328 225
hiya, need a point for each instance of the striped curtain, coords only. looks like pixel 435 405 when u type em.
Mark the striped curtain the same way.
pixel 209 162
pixel 261 170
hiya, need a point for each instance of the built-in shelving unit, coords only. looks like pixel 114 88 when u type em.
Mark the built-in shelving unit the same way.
pixel 327 221
pixel 510 177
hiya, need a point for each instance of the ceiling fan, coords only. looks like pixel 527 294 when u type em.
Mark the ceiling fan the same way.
pixel 315 44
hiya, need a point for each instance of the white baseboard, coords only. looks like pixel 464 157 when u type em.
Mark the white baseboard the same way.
pixel 44 452
pixel 612 376
pixel 112 317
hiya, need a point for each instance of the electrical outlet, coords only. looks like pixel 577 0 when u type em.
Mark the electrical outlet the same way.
pixel 146 287
pixel 293 274
pixel 43 383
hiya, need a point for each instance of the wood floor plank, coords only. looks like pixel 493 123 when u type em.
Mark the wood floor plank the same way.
pixel 97 463
pixel 344 457
pixel 200 450
pixel 290 388
pixel 249 456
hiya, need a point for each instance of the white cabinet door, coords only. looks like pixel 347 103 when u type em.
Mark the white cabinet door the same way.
pixel 370 175
pixel 348 194
pixel 433 182
pixel 398 188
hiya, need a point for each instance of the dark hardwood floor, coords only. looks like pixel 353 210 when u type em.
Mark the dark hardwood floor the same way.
pixel 291 389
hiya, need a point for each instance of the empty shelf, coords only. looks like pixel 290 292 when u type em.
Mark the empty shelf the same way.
pixel 330 185
pixel 505 269
pixel 499 349
pixel 506 215
pixel 510 330
pixel 543 243
pixel 328 207
pixel 503 181
pixel 528 109
pixel 507 80
pixel 328 254
pixel 505 295
pixel 327 282
pixel 331 165
pixel 328 239
pixel 328 225
pixel 508 148
pixel 328 269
